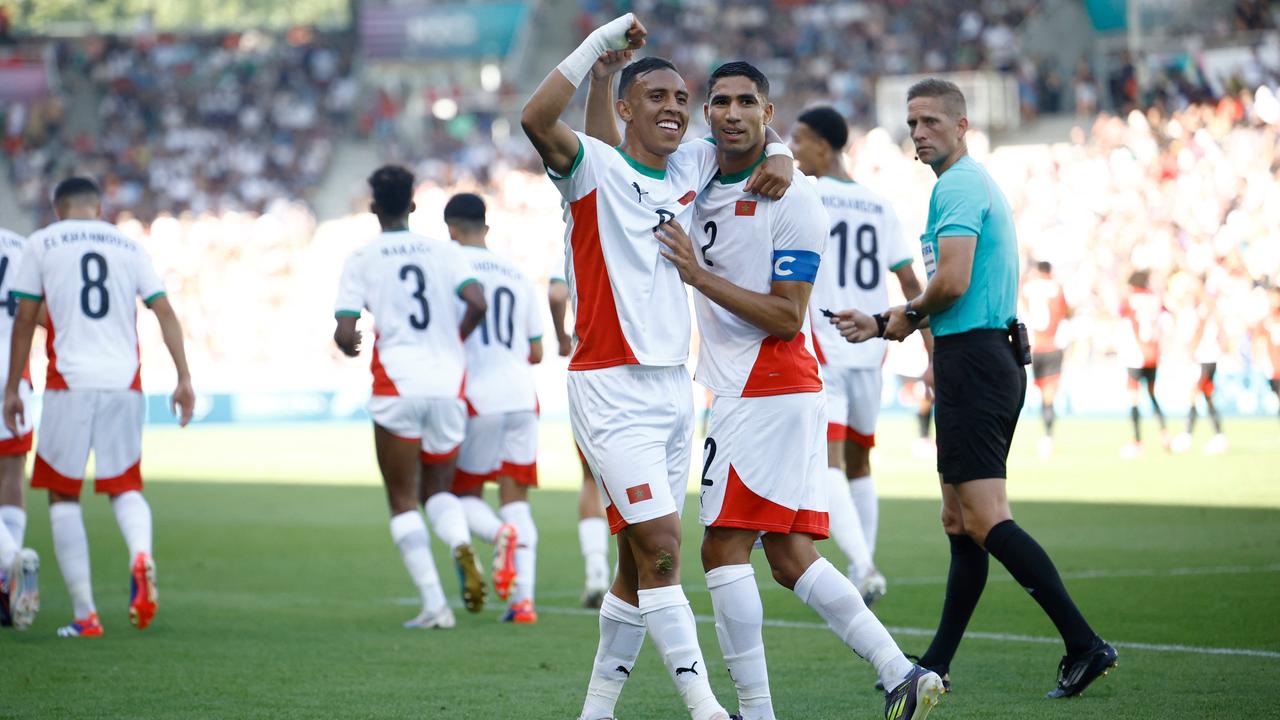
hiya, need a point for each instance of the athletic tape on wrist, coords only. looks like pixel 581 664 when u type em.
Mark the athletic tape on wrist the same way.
pixel 778 148
pixel 610 36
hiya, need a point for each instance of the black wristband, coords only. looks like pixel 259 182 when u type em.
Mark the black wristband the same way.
pixel 882 322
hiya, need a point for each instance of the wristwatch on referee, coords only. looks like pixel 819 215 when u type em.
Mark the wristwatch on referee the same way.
pixel 915 316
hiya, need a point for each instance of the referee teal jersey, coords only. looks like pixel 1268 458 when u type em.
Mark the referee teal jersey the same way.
pixel 967 202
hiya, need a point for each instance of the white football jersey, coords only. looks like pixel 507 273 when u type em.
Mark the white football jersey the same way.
pixel 630 305
pixel 11 244
pixel 864 246
pixel 752 241
pixel 90 275
pixel 410 283
pixel 499 376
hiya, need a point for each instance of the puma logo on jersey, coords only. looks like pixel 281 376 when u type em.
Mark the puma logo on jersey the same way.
pixel 691 669
pixel 639 193
pixel 623 670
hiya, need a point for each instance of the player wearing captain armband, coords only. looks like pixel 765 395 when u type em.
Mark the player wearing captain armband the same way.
pixel 630 399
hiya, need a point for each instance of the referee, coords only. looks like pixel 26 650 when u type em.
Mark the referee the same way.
pixel 971 257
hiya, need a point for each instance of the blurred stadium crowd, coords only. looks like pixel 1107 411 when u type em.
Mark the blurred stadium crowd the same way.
pixel 208 147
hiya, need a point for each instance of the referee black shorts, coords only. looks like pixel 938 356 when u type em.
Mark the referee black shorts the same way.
pixel 979 388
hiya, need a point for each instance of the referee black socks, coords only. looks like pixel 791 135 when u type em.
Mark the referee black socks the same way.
pixel 1031 567
pixel 965 581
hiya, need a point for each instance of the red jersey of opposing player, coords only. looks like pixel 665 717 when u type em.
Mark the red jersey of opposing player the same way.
pixel 1145 312
pixel 1046 307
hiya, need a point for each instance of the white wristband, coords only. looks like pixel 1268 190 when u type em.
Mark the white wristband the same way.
pixel 778 149
pixel 610 36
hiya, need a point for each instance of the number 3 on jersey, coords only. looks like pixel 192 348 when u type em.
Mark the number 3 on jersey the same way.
pixel 419 294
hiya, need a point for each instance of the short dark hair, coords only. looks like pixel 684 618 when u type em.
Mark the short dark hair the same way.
pixel 939 88
pixel 1044 266
pixel 1140 278
pixel 740 68
pixel 465 208
pixel 392 187
pixel 643 66
pixel 79 186
pixel 827 123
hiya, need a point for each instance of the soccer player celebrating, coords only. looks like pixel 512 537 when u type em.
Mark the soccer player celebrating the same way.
pixel 89 276
pixel 763 469
pixel 971 256
pixel 502 430
pixel 19 566
pixel 593 528
pixel 864 246
pixel 630 400
pixel 411 285
pixel 1145 318
pixel 1046 307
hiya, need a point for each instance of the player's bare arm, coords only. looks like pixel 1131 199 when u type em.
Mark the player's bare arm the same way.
pixel 473 295
pixel 780 312
pixel 183 401
pixel 601 119
pixel 346 336
pixel 558 299
pixel 552 137
pixel 24 326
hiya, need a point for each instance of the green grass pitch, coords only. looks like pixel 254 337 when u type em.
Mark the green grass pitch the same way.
pixel 282 595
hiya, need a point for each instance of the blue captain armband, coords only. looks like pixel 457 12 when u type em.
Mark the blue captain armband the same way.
pixel 797 265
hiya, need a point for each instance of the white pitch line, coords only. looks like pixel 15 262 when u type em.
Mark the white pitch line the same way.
pixel 999 637
pixel 1004 577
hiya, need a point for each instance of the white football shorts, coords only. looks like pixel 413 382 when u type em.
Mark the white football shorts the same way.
pixel 439 424
pixel 634 426
pixel 502 444
pixel 763 464
pixel 853 403
pixel 108 422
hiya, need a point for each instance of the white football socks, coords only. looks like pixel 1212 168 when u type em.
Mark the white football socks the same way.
pixel 593 536
pixel 863 491
pixel 484 523
pixel 669 620
pixel 735 598
pixel 824 589
pixel 448 519
pixel 8 548
pixel 71 545
pixel 133 515
pixel 409 533
pixel 622 634
pixel 15 519
pixel 517 513
pixel 846 527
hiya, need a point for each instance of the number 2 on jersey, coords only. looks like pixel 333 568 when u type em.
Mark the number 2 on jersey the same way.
pixel 419 294
pixel 709 229
pixel 867 245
